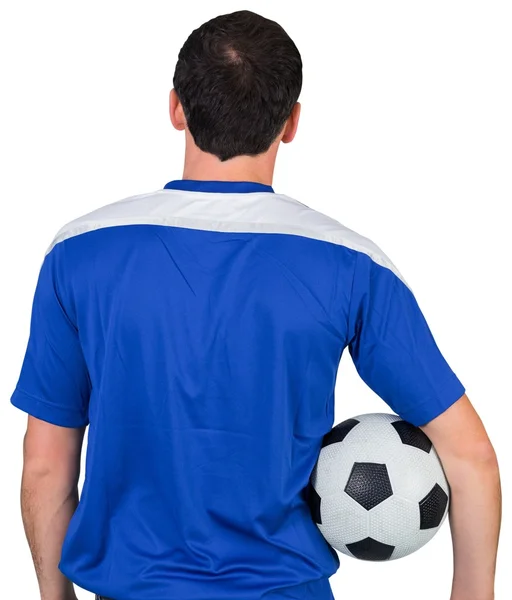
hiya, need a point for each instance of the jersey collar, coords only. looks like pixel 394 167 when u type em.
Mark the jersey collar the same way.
pixel 229 187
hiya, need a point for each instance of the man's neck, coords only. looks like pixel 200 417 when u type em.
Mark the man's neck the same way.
pixel 207 167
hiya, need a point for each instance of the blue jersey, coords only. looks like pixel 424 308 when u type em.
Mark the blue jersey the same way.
pixel 197 330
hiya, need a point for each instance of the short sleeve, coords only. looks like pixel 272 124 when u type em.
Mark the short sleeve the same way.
pixel 392 346
pixel 54 383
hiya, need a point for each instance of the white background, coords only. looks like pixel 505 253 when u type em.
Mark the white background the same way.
pixel 405 137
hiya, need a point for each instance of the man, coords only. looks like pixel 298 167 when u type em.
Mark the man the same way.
pixel 197 330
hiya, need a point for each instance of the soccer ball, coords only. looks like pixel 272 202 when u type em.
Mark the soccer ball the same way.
pixel 378 490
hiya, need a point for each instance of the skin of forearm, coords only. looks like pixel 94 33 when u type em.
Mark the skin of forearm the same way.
pixel 48 501
pixel 475 516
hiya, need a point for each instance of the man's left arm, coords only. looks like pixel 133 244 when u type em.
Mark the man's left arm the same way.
pixel 49 497
pixel 54 388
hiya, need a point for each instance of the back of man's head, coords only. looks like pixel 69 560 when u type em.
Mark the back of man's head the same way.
pixel 238 77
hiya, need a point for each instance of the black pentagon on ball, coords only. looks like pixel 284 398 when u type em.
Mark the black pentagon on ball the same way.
pixel 370 549
pixel 412 436
pixel 369 484
pixel 314 500
pixel 339 432
pixel 432 507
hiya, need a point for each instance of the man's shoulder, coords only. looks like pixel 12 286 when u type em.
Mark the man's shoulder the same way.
pixel 321 226
pixel 125 210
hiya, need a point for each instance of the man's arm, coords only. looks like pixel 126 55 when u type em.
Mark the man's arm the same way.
pixel 471 468
pixel 395 353
pixel 49 497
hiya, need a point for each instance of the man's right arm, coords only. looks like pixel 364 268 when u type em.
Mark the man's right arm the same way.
pixel 395 353
pixel 471 468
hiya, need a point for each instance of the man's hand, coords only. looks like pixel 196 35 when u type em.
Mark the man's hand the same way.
pixel 471 468
pixel 49 497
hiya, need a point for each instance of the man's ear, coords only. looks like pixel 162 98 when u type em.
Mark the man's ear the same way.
pixel 176 111
pixel 290 128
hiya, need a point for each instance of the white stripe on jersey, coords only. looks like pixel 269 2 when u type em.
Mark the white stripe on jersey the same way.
pixel 247 212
